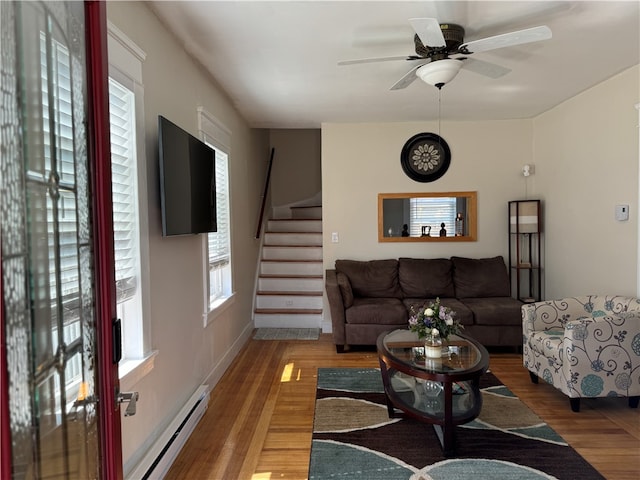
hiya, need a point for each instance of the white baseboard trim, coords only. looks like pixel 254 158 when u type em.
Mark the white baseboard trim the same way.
pixel 158 460
pixel 218 370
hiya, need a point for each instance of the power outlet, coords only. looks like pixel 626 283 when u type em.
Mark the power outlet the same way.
pixel 622 213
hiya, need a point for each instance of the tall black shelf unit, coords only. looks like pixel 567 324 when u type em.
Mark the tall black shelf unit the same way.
pixel 525 256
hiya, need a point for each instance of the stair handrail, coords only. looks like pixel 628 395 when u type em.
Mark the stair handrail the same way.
pixel 264 194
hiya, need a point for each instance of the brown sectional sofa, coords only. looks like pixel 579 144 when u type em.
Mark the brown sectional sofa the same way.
pixel 367 298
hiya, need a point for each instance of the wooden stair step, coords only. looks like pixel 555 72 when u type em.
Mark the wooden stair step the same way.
pixel 272 245
pixel 301 293
pixel 275 275
pixel 289 311
pixel 290 260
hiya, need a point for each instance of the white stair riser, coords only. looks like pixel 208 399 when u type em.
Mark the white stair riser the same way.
pixel 288 301
pixel 314 239
pixel 307 212
pixel 290 284
pixel 279 320
pixel 296 241
pixel 292 253
pixel 291 268
pixel 294 226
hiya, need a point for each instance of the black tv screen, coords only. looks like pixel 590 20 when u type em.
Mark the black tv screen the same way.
pixel 187 181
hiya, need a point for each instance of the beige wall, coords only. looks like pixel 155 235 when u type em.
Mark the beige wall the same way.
pixel 188 353
pixel 295 175
pixel 586 158
pixel 361 160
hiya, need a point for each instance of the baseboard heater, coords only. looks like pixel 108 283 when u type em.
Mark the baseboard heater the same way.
pixel 156 463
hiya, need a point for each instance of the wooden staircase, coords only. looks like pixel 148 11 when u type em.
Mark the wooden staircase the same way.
pixel 290 277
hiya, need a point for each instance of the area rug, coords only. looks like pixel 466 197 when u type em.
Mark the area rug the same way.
pixel 287 334
pixel 354 438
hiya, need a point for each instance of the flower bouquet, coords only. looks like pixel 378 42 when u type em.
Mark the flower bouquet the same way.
pixel 434 323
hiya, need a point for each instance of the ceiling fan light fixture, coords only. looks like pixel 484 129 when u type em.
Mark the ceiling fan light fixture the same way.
pixel 439 72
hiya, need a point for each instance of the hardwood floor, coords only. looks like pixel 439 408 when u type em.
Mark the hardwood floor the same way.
pixel 260 416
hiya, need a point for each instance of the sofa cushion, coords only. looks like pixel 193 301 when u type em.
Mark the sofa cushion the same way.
pixel 381 311
pixel 345 289
pixel 480 277
pixel 426 278
pixel 463 314
pixel 499 311
pixel 372 279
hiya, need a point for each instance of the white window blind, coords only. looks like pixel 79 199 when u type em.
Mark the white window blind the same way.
pixel 124 192
pixel 432 212
pixel 218 242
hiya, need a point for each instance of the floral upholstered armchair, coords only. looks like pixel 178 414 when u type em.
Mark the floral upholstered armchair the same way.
pixel 586 346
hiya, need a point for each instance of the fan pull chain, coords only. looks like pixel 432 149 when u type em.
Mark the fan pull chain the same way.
pixel 439 110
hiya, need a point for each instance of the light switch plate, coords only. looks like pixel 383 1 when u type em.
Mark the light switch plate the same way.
pixel 622 213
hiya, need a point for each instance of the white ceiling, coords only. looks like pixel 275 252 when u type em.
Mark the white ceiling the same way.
pixel 278 61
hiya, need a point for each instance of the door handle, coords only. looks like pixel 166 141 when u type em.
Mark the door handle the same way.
pixel 131 398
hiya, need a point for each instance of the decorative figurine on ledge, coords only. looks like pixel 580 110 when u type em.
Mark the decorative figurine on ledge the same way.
pixel 443 231
pixel 405 230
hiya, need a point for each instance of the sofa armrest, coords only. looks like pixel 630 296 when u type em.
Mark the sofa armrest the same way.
pixel 336 307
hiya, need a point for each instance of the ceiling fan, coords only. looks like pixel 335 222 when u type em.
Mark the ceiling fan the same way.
pixel 441 52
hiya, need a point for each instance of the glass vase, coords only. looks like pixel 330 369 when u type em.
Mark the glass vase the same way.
pixel 433 345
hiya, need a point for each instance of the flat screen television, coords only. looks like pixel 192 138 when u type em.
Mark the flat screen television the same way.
pixel 187 181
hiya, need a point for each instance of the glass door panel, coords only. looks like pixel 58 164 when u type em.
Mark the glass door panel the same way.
pixel 47 243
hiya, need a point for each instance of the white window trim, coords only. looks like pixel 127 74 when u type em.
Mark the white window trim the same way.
pixel 219 136
pixel 125 65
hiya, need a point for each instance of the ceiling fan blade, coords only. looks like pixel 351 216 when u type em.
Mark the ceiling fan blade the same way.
pixel 379 59
pixel 407 79
pixel 506 40
pixel 482 67
pixel 429 32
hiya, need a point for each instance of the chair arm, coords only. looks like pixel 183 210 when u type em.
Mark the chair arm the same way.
pixel 606 347
pixel 549 314
pixel 595 334
pixel 545 315
pixel 336 307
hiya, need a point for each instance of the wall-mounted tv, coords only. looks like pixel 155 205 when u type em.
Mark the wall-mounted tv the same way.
pixel 187 181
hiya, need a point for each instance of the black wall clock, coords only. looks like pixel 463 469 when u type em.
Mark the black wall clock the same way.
pixel 425 157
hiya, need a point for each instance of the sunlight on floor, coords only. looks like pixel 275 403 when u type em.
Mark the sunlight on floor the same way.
pixel 288 373
pixel 261 476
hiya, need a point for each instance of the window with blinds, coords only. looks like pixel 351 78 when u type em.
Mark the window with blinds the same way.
pixel 123 158
pixel 217 260
pixel 124 187
pixel 218 245
pixel 431 212
pixel 124 191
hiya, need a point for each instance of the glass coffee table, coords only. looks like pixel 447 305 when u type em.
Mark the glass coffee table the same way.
pixel 442 391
